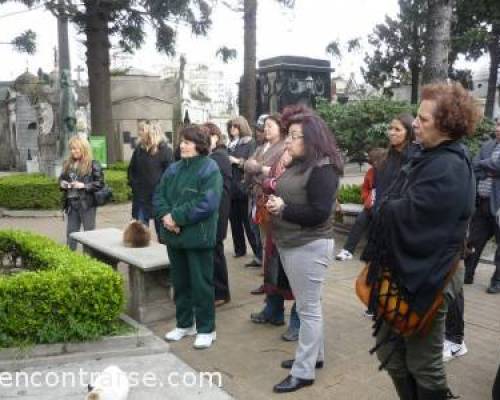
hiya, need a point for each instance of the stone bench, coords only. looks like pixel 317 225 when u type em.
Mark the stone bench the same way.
pixel 149 286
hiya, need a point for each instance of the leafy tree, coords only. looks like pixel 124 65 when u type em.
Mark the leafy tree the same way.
pixel 100 20
pixel 398 43
pixel 24 43
pixel 485 35
pixel 226 54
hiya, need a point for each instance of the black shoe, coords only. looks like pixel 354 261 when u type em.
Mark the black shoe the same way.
pixel 291 335
pixel 291 384
pixel 254 264
pixel 238 255
pixel 468 280
pixel 261 318
pixel 494 288
pixel 287 364
pixel 259 290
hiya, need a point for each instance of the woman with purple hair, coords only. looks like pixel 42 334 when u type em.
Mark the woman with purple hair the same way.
pixel 302 224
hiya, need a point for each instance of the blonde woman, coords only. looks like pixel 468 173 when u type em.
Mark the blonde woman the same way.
pixel 80 178
pixel 150 159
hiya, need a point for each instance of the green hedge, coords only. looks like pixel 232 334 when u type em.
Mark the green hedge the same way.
pixel 350 194
pixel 119 166
pixel 64 296
pixel 37 191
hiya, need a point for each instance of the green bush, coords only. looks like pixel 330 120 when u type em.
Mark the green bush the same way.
pixel 350 194
pixel 119 166
pixel 63 296
pixel 40 192
pixel 360 125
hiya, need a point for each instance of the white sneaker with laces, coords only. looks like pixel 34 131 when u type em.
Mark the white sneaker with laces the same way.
pixel 204 340
pixel 453 350
pixel 178 333
pixel 344 255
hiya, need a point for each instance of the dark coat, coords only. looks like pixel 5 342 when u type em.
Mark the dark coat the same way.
pixel 484 165
pixel 145 171
pixel 243 150
pixel 220 156
pixel 93 181
pixel 421 224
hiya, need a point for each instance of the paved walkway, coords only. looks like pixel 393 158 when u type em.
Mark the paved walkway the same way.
pixel 249 355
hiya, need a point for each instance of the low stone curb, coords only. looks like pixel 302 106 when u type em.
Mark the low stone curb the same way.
pixel 4 212
pixel 141 342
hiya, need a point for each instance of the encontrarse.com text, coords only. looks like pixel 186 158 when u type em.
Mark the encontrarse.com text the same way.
pixel 22 379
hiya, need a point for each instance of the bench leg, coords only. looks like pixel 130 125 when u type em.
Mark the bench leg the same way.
pixel 149 295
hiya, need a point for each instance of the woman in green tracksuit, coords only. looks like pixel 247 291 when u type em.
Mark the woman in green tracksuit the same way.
pixel 187 202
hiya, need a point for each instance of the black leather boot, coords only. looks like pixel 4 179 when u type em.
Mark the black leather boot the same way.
pixel 495 282
pixel 435 394
pixel 406 387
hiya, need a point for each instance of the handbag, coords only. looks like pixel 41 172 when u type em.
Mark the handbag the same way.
pixel 394 309
pixel 103 196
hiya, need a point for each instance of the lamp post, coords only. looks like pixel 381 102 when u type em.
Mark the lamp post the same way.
pixel 310 90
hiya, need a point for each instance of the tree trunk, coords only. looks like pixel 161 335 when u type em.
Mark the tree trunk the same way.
pixel 248 91
pixel 494 50
pixel 415 81
pixel 98 64
pixel 438 40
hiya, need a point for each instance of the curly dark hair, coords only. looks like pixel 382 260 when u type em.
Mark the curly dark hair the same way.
pixel 211 129
pixel 195 134
pixel 319 140
pixel 456 112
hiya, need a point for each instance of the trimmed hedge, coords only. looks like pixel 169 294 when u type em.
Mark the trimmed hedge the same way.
pixel 119 166
pixel 350 194
pixel 38 191
pixel 64 296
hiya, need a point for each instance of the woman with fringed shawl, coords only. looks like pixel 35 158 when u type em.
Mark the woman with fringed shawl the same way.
pixel 417 240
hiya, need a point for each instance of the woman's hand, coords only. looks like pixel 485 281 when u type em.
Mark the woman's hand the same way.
pixel 234 160
pixel 275 205
pixel 266 171
pixel 170 224
pixel 78 185
pixel 64 184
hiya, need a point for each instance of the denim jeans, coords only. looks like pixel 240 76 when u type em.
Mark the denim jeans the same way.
pixel 294 322
pixel 275 307
pixel 140 213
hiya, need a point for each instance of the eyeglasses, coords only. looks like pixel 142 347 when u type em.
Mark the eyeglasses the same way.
pixel 296 137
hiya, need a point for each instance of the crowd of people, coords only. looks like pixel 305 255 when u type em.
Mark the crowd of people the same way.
pixel 422 197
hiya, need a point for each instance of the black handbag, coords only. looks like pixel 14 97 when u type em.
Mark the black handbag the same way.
pixel 103 196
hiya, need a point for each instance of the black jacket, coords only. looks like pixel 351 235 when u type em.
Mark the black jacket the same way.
pixel 145 171
pixel 220 156
pixel 243 150
pixel 82 198
pixel 422 221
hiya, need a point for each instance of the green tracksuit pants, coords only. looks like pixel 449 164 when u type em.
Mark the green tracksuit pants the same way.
pixel 192 278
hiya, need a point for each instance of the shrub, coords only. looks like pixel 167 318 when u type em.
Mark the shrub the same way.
pixel 119 166
pixel 359 125
pixel 37 191
pixel 350 194
pixel 64 296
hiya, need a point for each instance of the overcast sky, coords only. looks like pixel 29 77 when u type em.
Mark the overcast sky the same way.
pixel 305 31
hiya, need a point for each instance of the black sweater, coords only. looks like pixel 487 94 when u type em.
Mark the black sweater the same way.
pixel 321 188
pixel 145 170
pixel 219 155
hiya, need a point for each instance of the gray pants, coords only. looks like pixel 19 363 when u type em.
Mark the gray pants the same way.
pixel 305 267
pixel 77 218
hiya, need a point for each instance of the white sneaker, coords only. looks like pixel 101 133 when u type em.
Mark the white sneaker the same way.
pixel 178 333
pixel 452 350
pixel 344 255
pixel 204 340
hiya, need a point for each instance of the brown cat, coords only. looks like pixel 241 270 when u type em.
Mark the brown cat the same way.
pixel 136 234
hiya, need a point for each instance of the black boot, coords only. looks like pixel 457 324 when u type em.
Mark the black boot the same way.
pixel 406 387
pixel 495 282
pixel 436 394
